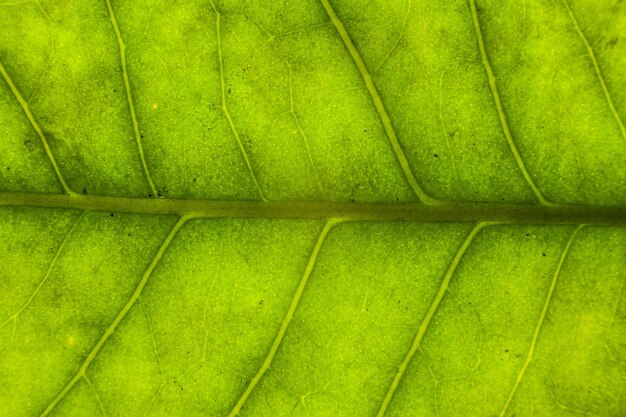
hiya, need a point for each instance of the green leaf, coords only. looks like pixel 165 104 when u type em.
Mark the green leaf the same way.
pixel 312 208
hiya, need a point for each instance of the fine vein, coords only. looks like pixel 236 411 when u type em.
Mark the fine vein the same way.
pixel 378 104
pixel 596 67
pixel 542 317
pixel 498 103
pixel 267 362
pixel 129 97
pixel 231 123
pixel 15 315
pixel 301 131
pixel 120 316
pixel 417 341
pixel 37 128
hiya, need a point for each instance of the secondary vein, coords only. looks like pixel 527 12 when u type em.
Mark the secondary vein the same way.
pixel 35 124
pixel 231 123
pixel 596 67
pixel 432 310
pixel 129 97
pixel 118 319
pixel 378 104
pixel 542 316
pixel 295 301
pixel 498 103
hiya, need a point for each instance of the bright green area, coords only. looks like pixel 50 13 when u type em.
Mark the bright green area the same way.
pixel 315 303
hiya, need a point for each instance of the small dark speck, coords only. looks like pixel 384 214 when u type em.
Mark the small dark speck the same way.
pixel 114 90
pixel 84 191
pixel 260 302
pixel 506 351
pixel 365 130
pixel 194 180
pixel 150 195
pixel 435 155
pixel 229 91
pixel 130 234
pixel 112 214
pixel 543 254
pixel 527 234
pixel 519 355
pixel 8 168
pixel 141 136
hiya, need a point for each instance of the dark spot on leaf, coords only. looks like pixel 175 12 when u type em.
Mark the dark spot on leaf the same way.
pixel 544 254
pixel 611 43
pixel 260 302
pixel 229 90
pixel 84 191
pixel 112 214
pixel 435 155
pixel 29 145
pixel 194 180
pixel 130 234
pixel 8 168
pixel 527 234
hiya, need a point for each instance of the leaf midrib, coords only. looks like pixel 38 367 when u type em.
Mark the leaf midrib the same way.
pixel 354 211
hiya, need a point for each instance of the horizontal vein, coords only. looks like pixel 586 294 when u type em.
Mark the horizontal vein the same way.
pixel 129 96
pixel 37 128
pixel 120 316
pixel 417 341
pixel 542 317
pixel 267 362
pixel 231 123
pixel 378 104
pixel 448 212
pixel 596 66
pixel 498 102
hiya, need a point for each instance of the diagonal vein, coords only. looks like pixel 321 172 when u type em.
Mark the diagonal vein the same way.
pixel 378 104
pixel 120 316
pixel 37 128
pixel 129 97
pixel 542 316
pixel 66 239
pixel 434 306
pixel 231 123
pixel 498 103
pixel 295 301
pixel 596 67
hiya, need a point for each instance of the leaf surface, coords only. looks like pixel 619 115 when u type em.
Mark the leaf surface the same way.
pixel 312 208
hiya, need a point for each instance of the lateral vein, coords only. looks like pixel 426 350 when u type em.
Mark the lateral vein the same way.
pixel 231 123
pixel 15 315
pixel 35 125
pixel 295 301
pixel 596 67
pixel 129 97
pixel 542 316
pixel 432 310
pixel 500 109
pixel 378 104
pixel 118 319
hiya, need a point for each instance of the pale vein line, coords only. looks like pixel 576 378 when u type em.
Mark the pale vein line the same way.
pixel 301 131
pixel 95 391
pixel 398 39
pixel 231 123
pixel 434 306
pixel 267 362
pixel 15 315
pixel 120 316
pixel 129 97
pixel 596 66
pixel 37 128
pixel 542 317
pixel 378 104
pixel 498 103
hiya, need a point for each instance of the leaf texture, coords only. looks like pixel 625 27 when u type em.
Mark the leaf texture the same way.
pixel 312 208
